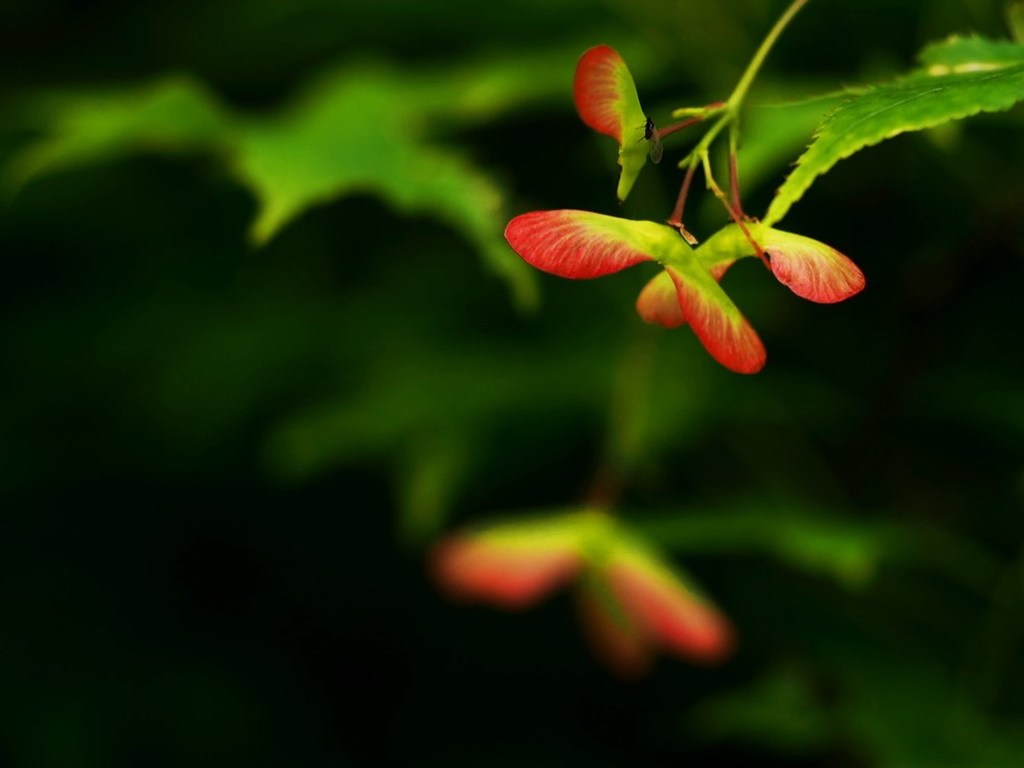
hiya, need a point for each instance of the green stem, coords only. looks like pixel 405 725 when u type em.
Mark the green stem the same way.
pixel 676 219
pixel 730 111
pixel 629 424
pixel 705 143
pixel 734 173
pixel 740 91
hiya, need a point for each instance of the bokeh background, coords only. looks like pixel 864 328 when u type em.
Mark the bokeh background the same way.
pixel 263 344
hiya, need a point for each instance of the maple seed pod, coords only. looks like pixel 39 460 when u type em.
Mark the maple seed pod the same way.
pixel 632 604
pixel 606 100
pixel 582 245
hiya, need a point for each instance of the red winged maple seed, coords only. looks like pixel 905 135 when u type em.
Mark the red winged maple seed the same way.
pixel 582 245
pixel 607 101
pixel 509 573
pixel 597 90
pixel 812 270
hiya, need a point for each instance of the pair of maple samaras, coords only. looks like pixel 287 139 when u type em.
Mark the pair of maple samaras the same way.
pixel 581 244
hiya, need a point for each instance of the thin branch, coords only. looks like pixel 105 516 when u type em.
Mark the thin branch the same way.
pixel 676 219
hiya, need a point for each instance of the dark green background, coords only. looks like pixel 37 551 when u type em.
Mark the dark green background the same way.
pixel 222 463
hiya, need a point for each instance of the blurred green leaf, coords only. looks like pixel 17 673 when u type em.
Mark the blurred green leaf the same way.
pixel 364 128
pixel 902 712
pixel 850 551
pixel 944 728
pixel 433 472
pixel 357 132
pixel 175 114
pixel 779 711
pixel 427 392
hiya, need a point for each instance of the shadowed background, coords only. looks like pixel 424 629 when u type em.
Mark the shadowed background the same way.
pixel 263 344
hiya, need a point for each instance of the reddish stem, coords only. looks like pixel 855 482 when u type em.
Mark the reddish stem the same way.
pixel 758 251
pixel 605 489
pixel 710 109
pixel 742 224
pixel 737 216
pixel 676 219
pixel 669 130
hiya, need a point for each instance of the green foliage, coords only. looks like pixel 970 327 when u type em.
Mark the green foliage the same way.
pixel 171 115
pixel 849 551
pixel 776 129
pixel 360 132
pixel 424 392
pixel 362 129
pixel 778 712
pixel 209 450
pixel 786 713
pixel 963 78
pixel 433 473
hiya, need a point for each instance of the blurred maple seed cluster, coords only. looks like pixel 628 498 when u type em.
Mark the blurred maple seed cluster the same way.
pixel 632 604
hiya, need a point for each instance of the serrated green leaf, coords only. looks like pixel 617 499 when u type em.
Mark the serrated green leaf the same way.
pixel 910 104
pixel 775 131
